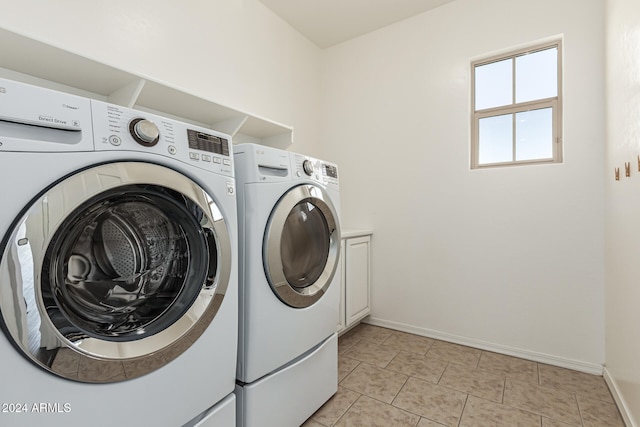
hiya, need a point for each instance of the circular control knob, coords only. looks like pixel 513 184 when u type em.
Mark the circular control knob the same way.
pixel 144 132
pixel 308 167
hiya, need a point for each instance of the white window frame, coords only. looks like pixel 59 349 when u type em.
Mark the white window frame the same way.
pixel 555 103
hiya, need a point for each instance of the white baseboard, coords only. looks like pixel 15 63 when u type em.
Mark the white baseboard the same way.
pixel 577 365
pixel 617 396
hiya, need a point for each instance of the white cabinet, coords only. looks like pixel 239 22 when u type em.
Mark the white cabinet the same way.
pixel 30 61
pixel 355 303
pixel 342 324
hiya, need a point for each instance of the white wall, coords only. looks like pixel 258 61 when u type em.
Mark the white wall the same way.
pixel 235 52
pixel 510 259
pixel 623 213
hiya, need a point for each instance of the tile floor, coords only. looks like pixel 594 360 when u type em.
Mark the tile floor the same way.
pixel 390 378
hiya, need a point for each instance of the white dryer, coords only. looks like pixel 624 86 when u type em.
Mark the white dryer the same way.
pixel 118 267
pixel 289 228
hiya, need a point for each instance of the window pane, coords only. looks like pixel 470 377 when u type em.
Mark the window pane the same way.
pixel 537 75
pixel 494 84
pixel 534 134
pixel 495 139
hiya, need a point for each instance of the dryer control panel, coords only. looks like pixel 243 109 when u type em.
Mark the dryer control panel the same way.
pixel 125 129
pixel 305 167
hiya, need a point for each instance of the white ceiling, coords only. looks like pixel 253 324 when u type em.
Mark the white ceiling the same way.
pixel 329 22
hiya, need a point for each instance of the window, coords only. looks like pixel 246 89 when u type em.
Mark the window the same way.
pixel 517 108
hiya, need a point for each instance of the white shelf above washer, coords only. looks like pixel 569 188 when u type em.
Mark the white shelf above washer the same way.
pixel 31 61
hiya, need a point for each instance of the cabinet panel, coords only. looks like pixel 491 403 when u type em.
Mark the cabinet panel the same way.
pixel 342 315
pixel 357 272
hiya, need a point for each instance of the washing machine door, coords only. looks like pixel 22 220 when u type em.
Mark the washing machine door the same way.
pixel 114 272
pixel 302 245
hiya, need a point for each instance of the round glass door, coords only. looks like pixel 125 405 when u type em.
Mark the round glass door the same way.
pixel 123 264
pixel 302 246
pixel 118 267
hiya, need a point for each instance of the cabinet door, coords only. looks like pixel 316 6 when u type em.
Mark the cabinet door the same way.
pixel 341 318
pixel 357 251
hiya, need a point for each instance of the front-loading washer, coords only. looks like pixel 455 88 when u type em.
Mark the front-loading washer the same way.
pixel 289 230
pixel 118 266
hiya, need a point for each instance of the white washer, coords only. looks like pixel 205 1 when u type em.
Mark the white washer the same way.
pixel 289 228
pixel 118 268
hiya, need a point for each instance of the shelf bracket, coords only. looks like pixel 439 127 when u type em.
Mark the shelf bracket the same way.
pixel 282 141
pixel 127 95
pixel 230 126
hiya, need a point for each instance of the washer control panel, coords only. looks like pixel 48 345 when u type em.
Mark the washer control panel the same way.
pixel 125 129
pixel 144 131
pixel 305 167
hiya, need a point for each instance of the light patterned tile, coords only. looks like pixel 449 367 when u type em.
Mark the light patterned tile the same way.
pixel 373 413
pixel 563 398
pixel 431 401
pixel 372 333
pixel 578 382
pixel 424 422
pixel 548 422
pixel 477 382
pixel 346 341
pixel 597 413
pixel 481 413
pixel 374 382
pixel 370 352
pixel 549 402
pixel 409 342
pixel 335 407
pixel 454 353
pixel 512 367
pixel 426 368
pixel 345 366
pixel 312 423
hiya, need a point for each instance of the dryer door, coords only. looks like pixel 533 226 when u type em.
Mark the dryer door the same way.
pixel 114 271
pixel 302 245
